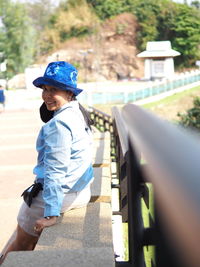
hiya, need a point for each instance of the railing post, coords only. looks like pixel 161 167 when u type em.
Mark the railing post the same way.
pixel 135 221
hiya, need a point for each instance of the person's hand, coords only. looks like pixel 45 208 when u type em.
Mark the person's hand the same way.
pixel 40 224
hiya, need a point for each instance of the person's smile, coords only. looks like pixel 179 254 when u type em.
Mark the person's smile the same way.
pixel 50 103
pixel 54 98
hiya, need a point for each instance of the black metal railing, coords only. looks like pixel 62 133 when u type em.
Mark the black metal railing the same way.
pixel 119 153
pixel 103 122
pixel 150 151
pixel 131 192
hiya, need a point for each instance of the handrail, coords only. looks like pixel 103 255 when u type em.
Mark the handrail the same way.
pixel 172 166
pixel 130 194
pixel 172 154
pixel 121 129
pixel 120 141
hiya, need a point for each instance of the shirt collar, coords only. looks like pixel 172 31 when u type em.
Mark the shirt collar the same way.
pixel 71 104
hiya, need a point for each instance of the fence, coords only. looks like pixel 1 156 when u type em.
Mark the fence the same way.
pixel 150 151
pixel 122 93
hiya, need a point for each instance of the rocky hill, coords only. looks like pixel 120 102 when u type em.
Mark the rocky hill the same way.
pixel 109 54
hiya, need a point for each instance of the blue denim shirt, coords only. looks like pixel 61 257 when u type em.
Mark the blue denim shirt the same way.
pixel 64 156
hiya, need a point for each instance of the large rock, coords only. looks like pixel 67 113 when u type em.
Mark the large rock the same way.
pixel 17 82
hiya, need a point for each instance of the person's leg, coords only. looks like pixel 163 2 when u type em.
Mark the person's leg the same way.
pixel 22 242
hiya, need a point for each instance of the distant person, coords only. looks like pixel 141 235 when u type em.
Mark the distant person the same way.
pixel 64 171
pixel 2 98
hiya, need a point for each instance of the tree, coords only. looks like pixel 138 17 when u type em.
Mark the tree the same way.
pixel 191 118
pixel 16 37
pixel 40 12
pixel 146 12
pixel 195 4
pixel 181 25
pixel 74 18
pixel 160 20
pixel 108 8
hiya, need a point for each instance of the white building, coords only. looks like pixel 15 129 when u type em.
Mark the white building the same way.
pixel 159 62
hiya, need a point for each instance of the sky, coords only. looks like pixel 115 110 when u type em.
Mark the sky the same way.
pixel 57 1
pixel 182 1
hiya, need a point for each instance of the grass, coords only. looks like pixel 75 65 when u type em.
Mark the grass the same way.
pixel 172 98
pixel 167 107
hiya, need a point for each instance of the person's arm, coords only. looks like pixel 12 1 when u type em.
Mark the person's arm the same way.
pixel 57 154
pixel 56 159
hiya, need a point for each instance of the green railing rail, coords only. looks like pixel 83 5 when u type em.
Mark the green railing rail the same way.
pixel 132 94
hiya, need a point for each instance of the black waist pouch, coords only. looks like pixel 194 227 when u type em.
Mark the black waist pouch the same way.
pixel 31 192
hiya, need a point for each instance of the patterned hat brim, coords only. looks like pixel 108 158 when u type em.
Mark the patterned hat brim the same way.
pixel 39 82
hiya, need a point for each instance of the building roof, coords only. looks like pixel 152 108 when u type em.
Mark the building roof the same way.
pixel 158 49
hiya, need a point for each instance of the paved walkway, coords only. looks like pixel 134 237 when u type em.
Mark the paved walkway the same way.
pixel 18 133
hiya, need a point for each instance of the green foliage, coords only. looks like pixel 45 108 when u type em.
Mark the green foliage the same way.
pixel 181 25
pixel 147 12
pixel 108 8
pixel 33 29
pixel 16 37
pixel 192 117
pixel 160 20
pixel 166 20
pixel 40 12
pixel 195 4
pixel 43 16
pixel 73 19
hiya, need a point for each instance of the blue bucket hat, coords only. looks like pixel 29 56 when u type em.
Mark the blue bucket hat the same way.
pixel 60 74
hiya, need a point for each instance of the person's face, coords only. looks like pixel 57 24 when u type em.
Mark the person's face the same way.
pixel 55 98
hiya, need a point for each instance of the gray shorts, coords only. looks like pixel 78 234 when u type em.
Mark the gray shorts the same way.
pixel 27 216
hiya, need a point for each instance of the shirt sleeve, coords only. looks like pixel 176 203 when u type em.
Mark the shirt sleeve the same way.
pixel 58 140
